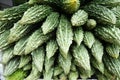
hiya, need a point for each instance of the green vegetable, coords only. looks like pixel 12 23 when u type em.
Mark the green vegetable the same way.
pixel 34 74
pixel 78 35
pixel 112 64
pixel 38 58
pixel 35 40
pixel 113 50
pixel 19 48
pixel 57 70
pixel 81 57
pixel 79 18
pixel 24 60
pixel 90 24
pixel 27 67
pixel 109 3
pixel 4 39
pixel 14 13
pixel 89 39
pixel 64 35
pixel 108 33
pixel 51 48
pixel 11 67
pixel 51 23
pixel 49 64
pixel 35 14
pixel 97 51
pixel 73 75
pixel 63 76
pixel 65 63
pixel 18 31
pixel 101 14
pixel 7 55
pixel 48 75
pixel 97 65
pixel 17 75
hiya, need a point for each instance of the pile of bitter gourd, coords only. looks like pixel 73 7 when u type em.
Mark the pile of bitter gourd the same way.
pixel 61 40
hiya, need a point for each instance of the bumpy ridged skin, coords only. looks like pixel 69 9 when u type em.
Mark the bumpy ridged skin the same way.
pixel 97 51
pixel 49 64
pixel 101 14
pixel 38 58
pixel 5 26
pixel 19 48
pixel 36 40
pixel 81 56
pixel 78 35
pixel 65 63
pixel 64 35
pixel 109 34
pixel 89 39
pixel 14 13
pixel 51 48
pixel 116 11
pixel 7 55
pixel 70 6
pixel 24 60
pixel 11 67
pixel 18 31
pixel 17 75
pixel 62 76
pixel 84 74
pixel 35 14
pixel 73 75
pixel 97 65
pixel 113 50
pixel 27 67
pixel 73 67
pixel 109 3
pixel 57 70
pixel 4 39
pixel 48 75
pixel 101 76
pixel 112 64
pixel 90 24
pixel 79 18
pixel 34 74
pixel 51 23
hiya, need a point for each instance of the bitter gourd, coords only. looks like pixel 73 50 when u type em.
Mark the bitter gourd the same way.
pixel 48 75
pixel 78 35
pixel 97 50
pixel 19 48
pixel 17 75
pixel 35 40
pixel 101 14
pixel 65 63
pixel 113 50
pixel 79 18
pixel 51 48
pixel 11 67
pixel 7 55
pixel 64 35
pixel 109 34
pixel 24 60
pixel 57 70
pixel 34 74
pixel 27 67
pixel 18 31
pixel 112 65
pixel 88 39
pixel 73 75
pixel 51 23
pixel 14 13
pixel 35 14
pixel 108 3
pixel 90 24
pixel 38 58
pixel 81 56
